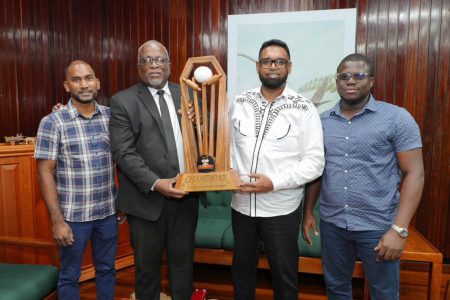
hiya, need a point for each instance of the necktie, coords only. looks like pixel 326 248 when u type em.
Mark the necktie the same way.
pixel 168 134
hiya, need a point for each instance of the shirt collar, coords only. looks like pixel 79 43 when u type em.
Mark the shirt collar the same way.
pixel 371 105
pixel 166 90
pixel 73 112
pixel 284 94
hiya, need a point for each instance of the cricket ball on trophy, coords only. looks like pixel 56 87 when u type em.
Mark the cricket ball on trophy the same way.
pixel 202 74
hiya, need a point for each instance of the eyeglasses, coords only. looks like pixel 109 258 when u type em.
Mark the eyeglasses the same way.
pixel 148 61
pixel 267 62
pixel 356 76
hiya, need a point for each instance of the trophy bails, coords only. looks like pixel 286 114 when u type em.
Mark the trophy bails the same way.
pixel 206 143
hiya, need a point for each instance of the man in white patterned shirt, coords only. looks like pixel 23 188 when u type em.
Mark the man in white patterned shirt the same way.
pixel 76 179
pixel 276 147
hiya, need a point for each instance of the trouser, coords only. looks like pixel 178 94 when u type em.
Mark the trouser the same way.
pixel 173 231
pixel 103 236
pixel 279 237
pixel 340 249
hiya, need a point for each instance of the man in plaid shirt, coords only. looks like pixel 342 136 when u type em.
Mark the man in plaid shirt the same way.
pixel 76 178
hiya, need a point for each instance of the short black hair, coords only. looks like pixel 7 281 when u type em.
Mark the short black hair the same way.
pixel 76 62
pixel 274 42
pixel 357 57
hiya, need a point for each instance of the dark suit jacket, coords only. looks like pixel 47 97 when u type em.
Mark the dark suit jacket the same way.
pixel 139 149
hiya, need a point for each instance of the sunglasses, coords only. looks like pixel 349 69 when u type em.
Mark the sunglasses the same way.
pixel 356 76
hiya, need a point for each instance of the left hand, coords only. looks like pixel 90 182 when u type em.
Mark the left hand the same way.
pixel 263 184
pixel 166 187
pixel 190 112
pixel 121 217
pixel 390 247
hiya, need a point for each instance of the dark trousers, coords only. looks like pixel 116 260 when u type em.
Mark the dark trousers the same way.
pixel 341 247
pixel 279 237
pixel 103 235
pixel 173 231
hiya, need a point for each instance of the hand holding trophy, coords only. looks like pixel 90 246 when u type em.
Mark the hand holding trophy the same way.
pixel 206 144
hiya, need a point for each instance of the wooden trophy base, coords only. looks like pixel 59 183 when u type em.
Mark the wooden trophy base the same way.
pixel 213 181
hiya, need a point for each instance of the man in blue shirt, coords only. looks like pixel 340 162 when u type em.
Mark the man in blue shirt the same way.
pixel 76 179
pixel 370 188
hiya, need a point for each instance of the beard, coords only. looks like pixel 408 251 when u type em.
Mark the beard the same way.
pixel 85 100
pixel 273 83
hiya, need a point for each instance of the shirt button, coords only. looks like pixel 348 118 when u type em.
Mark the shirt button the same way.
pixel 346 137
pixel 346 206
pixel 349 122
pixel 345 171
pixel 346 154
pixel 345 188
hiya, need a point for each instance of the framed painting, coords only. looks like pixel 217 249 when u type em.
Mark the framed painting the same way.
pixel 317 40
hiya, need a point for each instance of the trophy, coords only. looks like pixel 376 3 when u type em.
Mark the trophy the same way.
pixel 206 143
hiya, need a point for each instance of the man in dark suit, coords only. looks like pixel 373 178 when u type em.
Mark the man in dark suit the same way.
pixel 146 143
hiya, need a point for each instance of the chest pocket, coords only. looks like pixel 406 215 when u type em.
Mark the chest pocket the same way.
pixel 283 136
pixel 101 142
pixel 245 128
pixel 72 146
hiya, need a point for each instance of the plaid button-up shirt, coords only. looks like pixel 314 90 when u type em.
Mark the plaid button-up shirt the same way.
pixel 84 168
pixel 360 184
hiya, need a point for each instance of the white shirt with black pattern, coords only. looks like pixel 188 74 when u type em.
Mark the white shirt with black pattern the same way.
pixel 281 139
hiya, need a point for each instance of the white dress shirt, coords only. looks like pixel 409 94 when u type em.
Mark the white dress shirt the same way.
pixel 281 139
pixel 173 119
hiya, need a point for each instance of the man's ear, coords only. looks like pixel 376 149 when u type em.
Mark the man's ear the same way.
pixel 66 86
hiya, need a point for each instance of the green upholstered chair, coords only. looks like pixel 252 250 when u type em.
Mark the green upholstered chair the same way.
pixel 24 281
pixel 213 221
pixel 214 226
pixel 27 281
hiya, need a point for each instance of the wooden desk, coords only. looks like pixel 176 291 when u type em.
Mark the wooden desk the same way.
pixel 418 248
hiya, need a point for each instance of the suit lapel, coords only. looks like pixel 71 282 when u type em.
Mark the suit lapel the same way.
pixel 148 101
pixel 176 96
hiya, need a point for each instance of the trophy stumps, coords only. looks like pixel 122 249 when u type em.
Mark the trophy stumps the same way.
pixel 206 143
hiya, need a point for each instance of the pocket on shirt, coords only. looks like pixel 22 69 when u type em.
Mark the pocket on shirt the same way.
pixel 375 144
pixel 71 147
pixel 246 128
pixel 283 136
pixel 104 142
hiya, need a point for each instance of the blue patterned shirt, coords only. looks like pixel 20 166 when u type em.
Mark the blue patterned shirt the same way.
pixel 84 168
pixel 360 184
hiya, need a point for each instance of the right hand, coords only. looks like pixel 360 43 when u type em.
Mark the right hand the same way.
pixel 166 187
pixel 62 234
pixel 309 223
pixel 57 107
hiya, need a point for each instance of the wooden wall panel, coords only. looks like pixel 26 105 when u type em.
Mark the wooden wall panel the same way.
pixel 407 39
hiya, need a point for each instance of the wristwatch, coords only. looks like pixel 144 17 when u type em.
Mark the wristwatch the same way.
pixel 403 232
